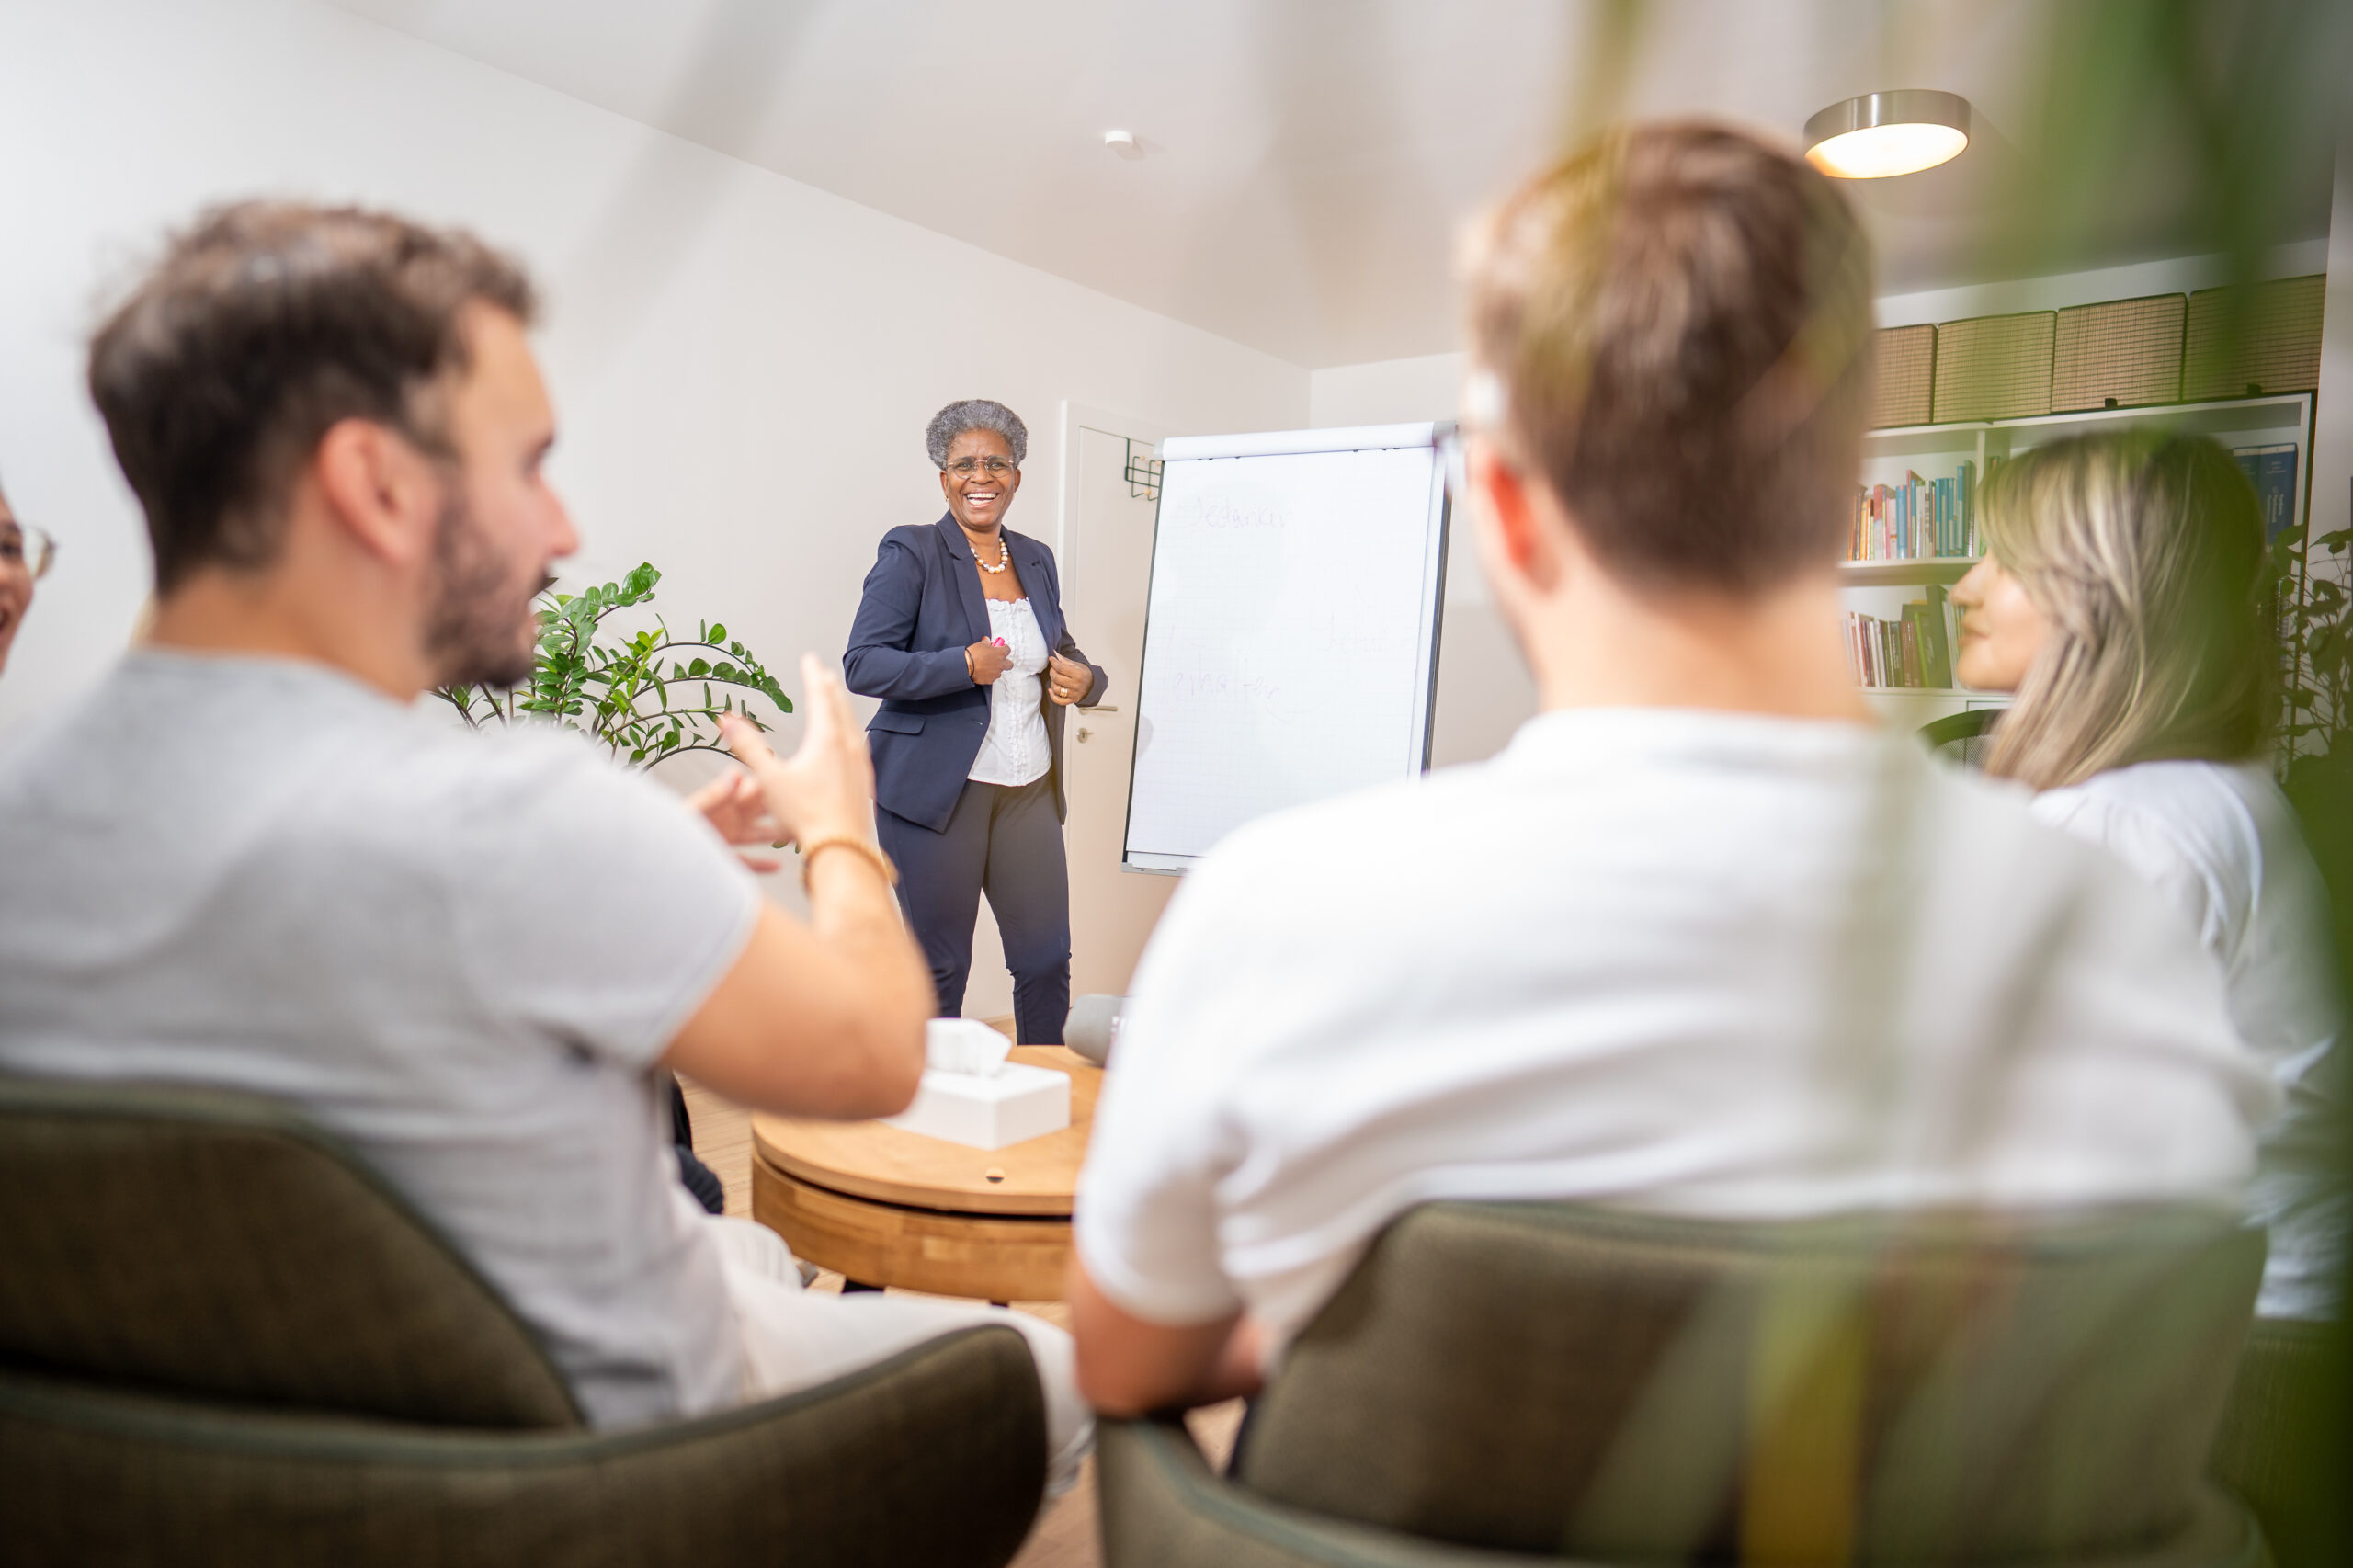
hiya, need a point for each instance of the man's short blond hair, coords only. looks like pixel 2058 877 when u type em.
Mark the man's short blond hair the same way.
pixel 1678 317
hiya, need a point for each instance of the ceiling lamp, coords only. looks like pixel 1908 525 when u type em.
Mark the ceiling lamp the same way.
pixel 1888 133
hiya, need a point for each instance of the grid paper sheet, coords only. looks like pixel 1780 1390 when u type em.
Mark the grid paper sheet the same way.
pixel 1290 639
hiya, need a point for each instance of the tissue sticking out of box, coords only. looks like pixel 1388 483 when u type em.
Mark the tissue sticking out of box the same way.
pixel 963 1045
pixel 972 1096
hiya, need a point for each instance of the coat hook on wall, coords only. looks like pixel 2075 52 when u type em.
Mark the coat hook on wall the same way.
pixel 1143 472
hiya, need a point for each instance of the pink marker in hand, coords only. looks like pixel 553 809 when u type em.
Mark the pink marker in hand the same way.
pixel 1000 642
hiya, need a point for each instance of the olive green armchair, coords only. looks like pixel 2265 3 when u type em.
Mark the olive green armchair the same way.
pixel 1510 1383
pixel 224 1340
pixel 2287 1434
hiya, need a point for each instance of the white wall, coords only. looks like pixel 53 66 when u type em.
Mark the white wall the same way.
pixel 1385 392
pixel 742 365
pixel 2332 492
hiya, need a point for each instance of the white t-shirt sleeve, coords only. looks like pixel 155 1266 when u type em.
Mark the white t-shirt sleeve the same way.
pixel 1146 1225
pixel 608 922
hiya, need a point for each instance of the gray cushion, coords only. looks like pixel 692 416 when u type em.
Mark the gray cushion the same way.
pixel 224 1341
pixel 1543 1378
pixel 1163 1508
pixel 2286 1436
pixel 215 1243
pixel 935 1457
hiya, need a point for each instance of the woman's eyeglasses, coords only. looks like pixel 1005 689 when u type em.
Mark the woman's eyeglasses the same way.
pixel 995 468
pixel 31 548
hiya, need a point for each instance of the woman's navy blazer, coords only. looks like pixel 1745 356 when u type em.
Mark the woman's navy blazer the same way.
pixel 923 608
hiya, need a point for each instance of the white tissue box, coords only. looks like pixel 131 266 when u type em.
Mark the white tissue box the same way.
pixel 1011 1105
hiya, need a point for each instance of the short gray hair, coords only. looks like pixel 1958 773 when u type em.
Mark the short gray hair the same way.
pixel 976 414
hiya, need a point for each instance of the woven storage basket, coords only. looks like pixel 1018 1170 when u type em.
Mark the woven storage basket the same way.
pixel 2268 342
pixel 1995 367
pixel 1903 375
pixel 2119 354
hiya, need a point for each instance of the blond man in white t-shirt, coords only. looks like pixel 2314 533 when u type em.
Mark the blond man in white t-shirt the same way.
pixel 1702 940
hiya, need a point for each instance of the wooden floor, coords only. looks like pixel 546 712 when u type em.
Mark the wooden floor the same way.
pixel 1065 1534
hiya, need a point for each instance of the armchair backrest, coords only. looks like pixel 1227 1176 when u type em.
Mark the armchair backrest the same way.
pixel 219 1245
pixel 1548 1378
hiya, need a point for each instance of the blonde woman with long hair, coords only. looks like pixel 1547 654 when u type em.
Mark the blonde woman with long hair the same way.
pixel 2123 598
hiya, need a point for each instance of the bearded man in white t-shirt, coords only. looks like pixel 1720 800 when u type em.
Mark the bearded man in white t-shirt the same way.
pixel 245 860
pixel 1702 940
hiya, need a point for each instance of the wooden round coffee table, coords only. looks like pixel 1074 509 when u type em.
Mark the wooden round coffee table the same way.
pixel 885 1207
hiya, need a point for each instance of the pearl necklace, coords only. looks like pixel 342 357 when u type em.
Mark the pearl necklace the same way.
pixel 1003 556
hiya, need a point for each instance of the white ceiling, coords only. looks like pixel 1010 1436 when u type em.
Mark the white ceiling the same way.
pixel 1309 163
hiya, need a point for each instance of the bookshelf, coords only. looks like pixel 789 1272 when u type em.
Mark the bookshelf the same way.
pixel 1936 451
pixel 1945 569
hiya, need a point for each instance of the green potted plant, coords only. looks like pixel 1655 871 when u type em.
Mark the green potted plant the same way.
pixel 643 696
pixel 2317 642
pixel 2315 757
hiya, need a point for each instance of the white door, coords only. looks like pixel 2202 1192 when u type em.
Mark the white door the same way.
pixel 1106 560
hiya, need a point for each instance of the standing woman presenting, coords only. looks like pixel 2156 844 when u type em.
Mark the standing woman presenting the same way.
pixel 960 633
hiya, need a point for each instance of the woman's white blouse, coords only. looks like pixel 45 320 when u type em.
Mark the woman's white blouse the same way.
pixel 2221 844
pixel 1015 750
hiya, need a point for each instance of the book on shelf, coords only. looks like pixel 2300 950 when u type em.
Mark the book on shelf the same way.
pixel 1920 519
pixel 2272 472
pixel 1926 620
pixel 1912 652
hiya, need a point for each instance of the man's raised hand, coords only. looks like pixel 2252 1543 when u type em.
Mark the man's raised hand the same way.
pixel 827 788
pixel 735 806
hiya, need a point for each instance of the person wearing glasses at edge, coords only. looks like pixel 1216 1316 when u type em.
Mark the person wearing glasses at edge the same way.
pixel 25 555
pixel 961 634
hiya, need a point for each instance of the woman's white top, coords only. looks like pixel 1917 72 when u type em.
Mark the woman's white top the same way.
pixel 2221 844
pixel 1015 750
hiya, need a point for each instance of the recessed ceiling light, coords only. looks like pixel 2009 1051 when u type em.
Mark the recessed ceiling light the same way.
pixel 1124 143
pixel 1888 133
